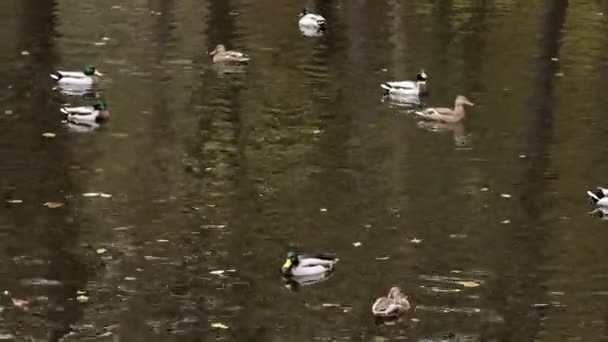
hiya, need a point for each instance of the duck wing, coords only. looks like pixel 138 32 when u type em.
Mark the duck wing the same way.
pixel 74 74
pixel 83 110
pixel 399 85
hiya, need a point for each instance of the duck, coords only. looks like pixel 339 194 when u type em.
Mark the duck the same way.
pixel 311 21
pixel 392 305
pixel 87 114
pixel 221 55
pixel 302 265
pixel 407 88
pixel 599 197
pixel 448 115
pixel 88 77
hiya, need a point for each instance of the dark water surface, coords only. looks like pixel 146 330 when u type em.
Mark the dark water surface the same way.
pixel 212 169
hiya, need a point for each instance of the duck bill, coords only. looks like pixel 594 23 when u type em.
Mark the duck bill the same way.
pixel 97 73
pixel 286 265
pixel 470 103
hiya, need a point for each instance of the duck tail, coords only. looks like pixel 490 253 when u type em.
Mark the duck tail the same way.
pixel 387 88
pixel 64 110
pixel 595 196
pixel 56 75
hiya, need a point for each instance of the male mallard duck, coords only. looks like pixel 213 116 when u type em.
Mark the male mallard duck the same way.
pixel 394 304
pixel 599 197
pixel 407 88
pixel 447 114
pixel 311 21
pixel 297 265
pixel 88 77
pixel 87 114
pixel 221 55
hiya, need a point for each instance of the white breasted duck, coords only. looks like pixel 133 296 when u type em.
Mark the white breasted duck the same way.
pixel 97 113
pixel 86 78
pixel 407 88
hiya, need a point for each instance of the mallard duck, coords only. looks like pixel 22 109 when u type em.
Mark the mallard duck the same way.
pixel 407 88
pixel 297 265
pixel 311 21
pixel 87 114
pixel 86 78
pixel 394 304
pixel 221 55
pixel 599 197
pixel 447 114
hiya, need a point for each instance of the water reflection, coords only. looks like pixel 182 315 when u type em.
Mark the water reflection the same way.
pixel 218 169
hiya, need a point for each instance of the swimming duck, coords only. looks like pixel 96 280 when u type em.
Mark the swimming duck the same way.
pixel 88 77
pixel 221 55
pixel 87 114
pixel 407 88
pixel 599 197
pixel 297 265
pixel 311 21
pixel 447 114
pixel 394 304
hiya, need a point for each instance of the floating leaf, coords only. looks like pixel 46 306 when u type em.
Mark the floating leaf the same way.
pixel 383 258
pixel 468 283
pixel 101 250
pixel 219 326
pixel 82 299
pixel 20 303
pixel 357 244
pixel 53 205
pixel 162 240
pixel 505 195
pixel 49 135
pixel 505 221
pixel 25 53
pixel 217 272
pixel 416 240
pixel 14 201
pixel 331 305
pixel 91 194
pixel 323 209
pixel 104 195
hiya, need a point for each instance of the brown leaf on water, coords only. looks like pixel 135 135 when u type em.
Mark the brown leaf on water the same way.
pixel 219 326
pixel 49 135
pixel 53 205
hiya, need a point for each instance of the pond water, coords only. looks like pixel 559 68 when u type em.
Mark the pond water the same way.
pixel 484 225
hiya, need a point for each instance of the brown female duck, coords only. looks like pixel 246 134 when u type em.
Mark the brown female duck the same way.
pixel 449 115
pixel 221 55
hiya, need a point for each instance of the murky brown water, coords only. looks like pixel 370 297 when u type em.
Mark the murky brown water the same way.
pixel 212 169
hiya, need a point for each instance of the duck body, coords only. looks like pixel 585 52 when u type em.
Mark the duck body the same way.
pixel 221 55
pixel 447 115
pixel 310 21
pixel 392 305
pixel 302 265
pixel 406 88
pixel 599 197
pixel 87 114
pixel 79 79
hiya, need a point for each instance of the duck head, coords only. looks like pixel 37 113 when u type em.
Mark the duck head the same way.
pixel 290 262
pixel 421 79
pixel 102 107
pixel 218 49
pixel 395 293
pixel 461 101
pixel 90 70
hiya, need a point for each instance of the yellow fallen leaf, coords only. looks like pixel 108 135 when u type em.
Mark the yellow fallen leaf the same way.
pixel 219 326
pixel 53 205
pixel 91 194
pixel 20 303
pixel 468 283
pixel 49 135
pixel 82 299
